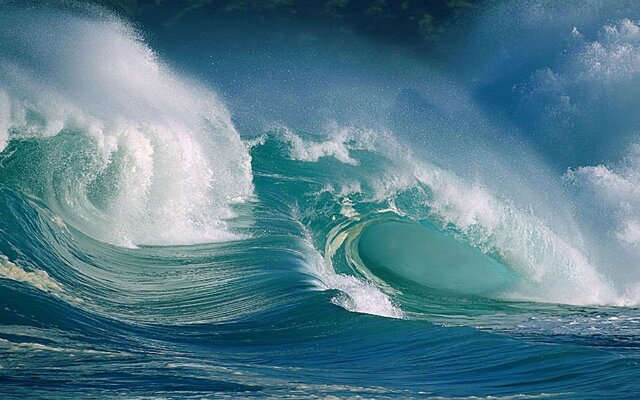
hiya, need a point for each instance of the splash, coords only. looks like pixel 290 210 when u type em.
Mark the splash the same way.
pixel 528 259
pixel 38 278
pixel 598 73
pixel 125 149
pixel 356 295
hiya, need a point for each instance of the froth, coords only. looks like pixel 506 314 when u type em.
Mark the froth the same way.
pixel 163 162
pixel 338 144
pixel 550 266
pixel 37 278
pixel 618 190
pixel 357 295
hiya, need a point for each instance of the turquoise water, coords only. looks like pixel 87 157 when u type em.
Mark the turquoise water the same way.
pixel 215 210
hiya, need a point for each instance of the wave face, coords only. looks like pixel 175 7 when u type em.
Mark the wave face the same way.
pixel 340 225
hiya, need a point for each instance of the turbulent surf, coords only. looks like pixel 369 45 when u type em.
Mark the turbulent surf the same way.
pixel 211 209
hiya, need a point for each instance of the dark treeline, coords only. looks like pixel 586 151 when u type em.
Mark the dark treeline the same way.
pixel 416 22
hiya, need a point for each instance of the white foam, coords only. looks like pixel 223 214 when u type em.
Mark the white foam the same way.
pixel 614 56
pixel 347 209
pixel 39 279
pixel 360 296
pixel 179 161
pixel 610 197
pixel 619 191
pixel 578 104
pixel 583 103
pixel 551 267
pixel 338 144
pixel 357 295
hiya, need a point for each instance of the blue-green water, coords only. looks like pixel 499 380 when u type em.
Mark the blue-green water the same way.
pixel 222 210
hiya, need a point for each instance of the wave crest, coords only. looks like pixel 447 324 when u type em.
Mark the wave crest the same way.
pixel 135 154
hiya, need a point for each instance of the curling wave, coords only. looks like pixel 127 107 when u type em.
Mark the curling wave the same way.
pixel 155 244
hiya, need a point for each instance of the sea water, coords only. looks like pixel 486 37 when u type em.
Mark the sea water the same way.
pixel 211 209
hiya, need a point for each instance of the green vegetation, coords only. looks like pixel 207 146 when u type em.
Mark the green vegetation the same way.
pixel 416 21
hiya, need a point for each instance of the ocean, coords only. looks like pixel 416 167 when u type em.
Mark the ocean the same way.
pixel 268 208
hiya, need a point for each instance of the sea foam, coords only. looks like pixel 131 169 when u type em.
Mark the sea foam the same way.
pixel 159 162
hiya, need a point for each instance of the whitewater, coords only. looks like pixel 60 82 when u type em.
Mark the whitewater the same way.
pixel 213 209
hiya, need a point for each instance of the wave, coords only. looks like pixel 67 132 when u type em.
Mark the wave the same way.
pixel 109 137
pixel 117 145
pixel 153 234
pixel 441 230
